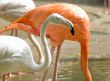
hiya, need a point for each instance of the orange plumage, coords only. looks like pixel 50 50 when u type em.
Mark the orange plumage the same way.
pixel 33 20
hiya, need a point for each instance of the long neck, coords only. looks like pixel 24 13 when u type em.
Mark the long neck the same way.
pixel 45 53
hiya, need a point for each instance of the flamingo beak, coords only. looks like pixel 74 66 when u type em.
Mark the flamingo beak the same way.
pixel 72 30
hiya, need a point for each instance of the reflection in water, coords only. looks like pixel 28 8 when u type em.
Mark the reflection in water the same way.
pixel 100 70
pixel 70 71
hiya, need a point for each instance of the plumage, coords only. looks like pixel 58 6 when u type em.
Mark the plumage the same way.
pixel 33 21
pixel 11 10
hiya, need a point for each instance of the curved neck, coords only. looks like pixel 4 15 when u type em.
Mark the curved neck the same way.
pixel 38 48
pixel 45 53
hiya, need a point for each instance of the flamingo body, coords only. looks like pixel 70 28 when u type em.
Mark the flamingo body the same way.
pixel 14 56
pixel 11 9
pixel 36 17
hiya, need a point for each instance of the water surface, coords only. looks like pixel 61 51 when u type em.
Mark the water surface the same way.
pixel 70 71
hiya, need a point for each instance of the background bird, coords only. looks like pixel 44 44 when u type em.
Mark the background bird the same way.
pixel 33 21
pixel 10 10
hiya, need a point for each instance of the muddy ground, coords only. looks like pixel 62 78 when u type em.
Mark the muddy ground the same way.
pixel 100 34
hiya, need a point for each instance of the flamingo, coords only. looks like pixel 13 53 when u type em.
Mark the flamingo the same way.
pixel 10 10
pixel 33 20
pixel 16 53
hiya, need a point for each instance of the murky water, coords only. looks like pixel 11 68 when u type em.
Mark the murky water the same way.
pixel 100 70
pixel 70 71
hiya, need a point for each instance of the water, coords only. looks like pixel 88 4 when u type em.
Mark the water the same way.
pixel 100 70
pixel 70 71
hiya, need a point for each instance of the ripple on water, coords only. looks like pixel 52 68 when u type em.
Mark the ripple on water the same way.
pixel 100 70
pixel 71 71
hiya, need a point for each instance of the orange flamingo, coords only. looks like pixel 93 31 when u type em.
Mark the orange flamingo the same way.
pixel 33 20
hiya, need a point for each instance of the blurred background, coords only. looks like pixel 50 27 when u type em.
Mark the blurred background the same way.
pixel 99 54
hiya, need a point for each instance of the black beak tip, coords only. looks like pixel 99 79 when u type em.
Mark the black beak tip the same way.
pixel 72 31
